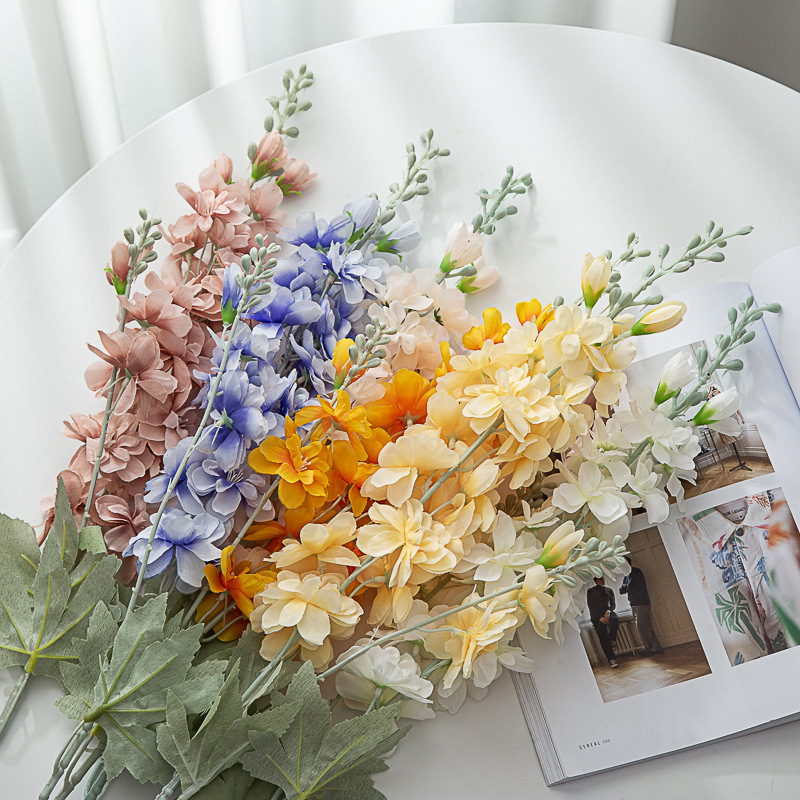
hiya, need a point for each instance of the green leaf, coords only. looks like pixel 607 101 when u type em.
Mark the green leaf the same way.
pixel 91 540
pixel 221 739
pixel 313 759
pixel 125 692
pixel 61 544
pixel 19 552
pixel 236 784
pixel 40 618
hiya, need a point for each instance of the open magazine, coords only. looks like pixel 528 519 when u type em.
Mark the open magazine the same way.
pixel 706 624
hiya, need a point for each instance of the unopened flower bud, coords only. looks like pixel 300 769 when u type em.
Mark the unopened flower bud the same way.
pixel 595 275
pixel 676 374
pixel 661 318
pixel 224 166
pixel 559 545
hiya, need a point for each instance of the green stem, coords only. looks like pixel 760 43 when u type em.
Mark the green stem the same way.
pixel 212 394
pixel 13 699
pixel 376 696
pixel 71 782
pixel 364 564
pixel 467 453
pixel 252 692
pixel 395 634
pixel 637 452
pixel 171 789
pixel 100 447
pixel 63 759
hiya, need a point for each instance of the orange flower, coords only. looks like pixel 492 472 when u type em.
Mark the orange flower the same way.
pixel 237 580
pixel 341 361
pixel 241 585
pixel 493 329
pixel 341 417
pixel 351 472
pixel 404 402
pixel 532 311
pixel 445 366
pixel 302 468
pixel 271 532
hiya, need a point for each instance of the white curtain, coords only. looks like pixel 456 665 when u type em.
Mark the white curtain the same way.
pixel 79 77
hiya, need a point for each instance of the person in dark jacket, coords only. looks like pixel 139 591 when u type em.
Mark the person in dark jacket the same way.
pixel 601 602
pixel 635 586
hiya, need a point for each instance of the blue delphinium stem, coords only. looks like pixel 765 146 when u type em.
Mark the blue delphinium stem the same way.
pixel 201 432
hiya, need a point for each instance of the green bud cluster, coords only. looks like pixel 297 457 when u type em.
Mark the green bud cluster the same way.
pixel 492 208
pixel 741 318
pixel 288 104
pixel 368 350
pixel 140 250
pixel 706 247
pixel 596 558
pixel 412 184
pixel 257 269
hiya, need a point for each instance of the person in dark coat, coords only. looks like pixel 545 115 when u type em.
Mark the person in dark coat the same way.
pixel 601 602
pixel 635 586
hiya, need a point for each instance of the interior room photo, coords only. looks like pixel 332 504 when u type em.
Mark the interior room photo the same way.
pixel 723 460
pixel 679 655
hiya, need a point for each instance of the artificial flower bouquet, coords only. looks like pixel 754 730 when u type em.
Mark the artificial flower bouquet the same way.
pixel 317 480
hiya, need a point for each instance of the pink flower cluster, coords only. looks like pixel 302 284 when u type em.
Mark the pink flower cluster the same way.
pixel 147 365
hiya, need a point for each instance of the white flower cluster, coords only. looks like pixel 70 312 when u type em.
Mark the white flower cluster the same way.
pixel 641 455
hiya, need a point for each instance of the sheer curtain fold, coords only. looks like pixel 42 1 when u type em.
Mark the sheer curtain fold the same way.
pixel 79 78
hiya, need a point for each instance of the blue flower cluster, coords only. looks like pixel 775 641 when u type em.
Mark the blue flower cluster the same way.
pixel 279 361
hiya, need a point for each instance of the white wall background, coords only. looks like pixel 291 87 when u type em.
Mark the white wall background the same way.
pixel 79 77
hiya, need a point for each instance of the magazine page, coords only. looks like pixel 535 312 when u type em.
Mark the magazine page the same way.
pixel 776 281
pixel 702 651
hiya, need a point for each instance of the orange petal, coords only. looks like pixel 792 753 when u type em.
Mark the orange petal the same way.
pixel 308 414
pixel 291 494
pixel 213 577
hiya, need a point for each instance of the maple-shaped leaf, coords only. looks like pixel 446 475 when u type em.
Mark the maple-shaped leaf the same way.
pixel 222 737
pixel 124 692
pixel 314 759
pixel 46 598
pixel 236 784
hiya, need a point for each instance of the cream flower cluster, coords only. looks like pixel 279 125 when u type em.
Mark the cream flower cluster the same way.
pixel 505 479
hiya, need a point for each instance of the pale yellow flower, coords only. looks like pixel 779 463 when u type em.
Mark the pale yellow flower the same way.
pixel 482 479
pixel 595 275
pixel 312 604
pixel 538 604
pixel 570 341
pixel 522 399
pixel 521 346
pixel 476 367
pixel 559 544
pixel 444 414
pixel 610 383
pixel 575 417
pixel 661 318
pixel 522 461
pixel 400 463
pixel 467 634
pixel 407 537
pixel 320 543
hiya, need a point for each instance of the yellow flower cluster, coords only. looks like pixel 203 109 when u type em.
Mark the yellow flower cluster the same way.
pixel 388 504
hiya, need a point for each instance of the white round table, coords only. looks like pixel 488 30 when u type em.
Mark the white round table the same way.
pixel 619 134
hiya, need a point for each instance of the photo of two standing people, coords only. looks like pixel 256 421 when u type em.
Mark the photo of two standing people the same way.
pixel 636 630
pixel 602 605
